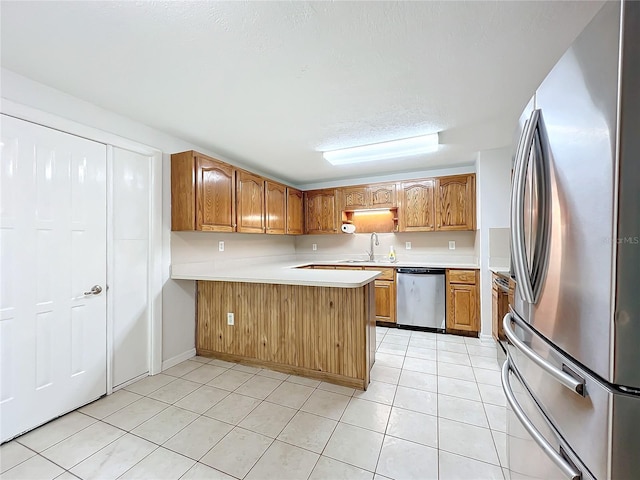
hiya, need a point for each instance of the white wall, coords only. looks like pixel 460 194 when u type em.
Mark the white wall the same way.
pixel 191 247
pixel 493 180
pixel 178 297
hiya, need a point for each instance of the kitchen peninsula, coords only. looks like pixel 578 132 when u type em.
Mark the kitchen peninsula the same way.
pixel 319 324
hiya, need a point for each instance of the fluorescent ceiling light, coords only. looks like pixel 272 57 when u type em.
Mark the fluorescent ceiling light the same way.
pixel 383 151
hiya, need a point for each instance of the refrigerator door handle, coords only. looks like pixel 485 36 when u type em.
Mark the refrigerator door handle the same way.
pixel 567 468
pixel 573 384
pixel 523 279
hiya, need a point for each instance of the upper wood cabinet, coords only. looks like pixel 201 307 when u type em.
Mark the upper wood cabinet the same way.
pixel 320 211
pixel 275 199
pixel 368 196
pixel 383 195
pixel 354 198
pixel 438 204
pixel 295 212
pixel 455 202
pixel 250 202
pixel 202 193
pixel 416 209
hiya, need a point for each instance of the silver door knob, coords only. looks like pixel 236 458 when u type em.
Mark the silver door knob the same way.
pixel 95 290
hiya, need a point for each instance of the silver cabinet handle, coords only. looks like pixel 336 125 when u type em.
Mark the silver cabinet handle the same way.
pixel 564 378
pixel 569 470
pixel 95 290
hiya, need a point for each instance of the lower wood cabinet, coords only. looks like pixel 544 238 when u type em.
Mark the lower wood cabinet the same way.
pixel 463 301
pixel 499 307
pixel 385 301
pixel 385 288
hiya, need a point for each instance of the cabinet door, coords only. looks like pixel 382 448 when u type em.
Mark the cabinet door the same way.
pixel 385 301
pixel 417 206
pixel 462 307
pixel 455 203
pixel 215 196
pixel 276 206
pixel 495 313
pixel 183 191
pixel 383 196
pixel 250 203
pixel 295 212
pixel 320 215
pixel 355 198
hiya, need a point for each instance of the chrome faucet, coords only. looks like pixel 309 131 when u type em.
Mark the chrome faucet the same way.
pixel 371 256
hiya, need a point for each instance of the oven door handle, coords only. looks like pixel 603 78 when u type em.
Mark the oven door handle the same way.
pixel 567 468
pixel 573 384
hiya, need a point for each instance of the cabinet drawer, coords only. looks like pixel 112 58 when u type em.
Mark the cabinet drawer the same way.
pixel 387 273
pixel 467 277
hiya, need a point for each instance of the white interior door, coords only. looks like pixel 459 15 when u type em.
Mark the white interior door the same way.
pixel 129 284
pixel 53 250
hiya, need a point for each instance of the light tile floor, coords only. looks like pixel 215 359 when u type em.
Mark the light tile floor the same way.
pixel 434 409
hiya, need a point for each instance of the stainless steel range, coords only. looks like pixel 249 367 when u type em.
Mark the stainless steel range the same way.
pixel 572 375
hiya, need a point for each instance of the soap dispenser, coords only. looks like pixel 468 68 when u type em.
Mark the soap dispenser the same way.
pixel 392 254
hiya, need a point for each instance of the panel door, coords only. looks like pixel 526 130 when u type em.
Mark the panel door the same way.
pixel 53 250
pixel 462 307
pixel 383 196
pixel 355 198
pixel 417 206
pixel 321 212
pixel 215 196
pixel 250 192
pixel 295 212
pixel 275 207
pixel 129 287
pixel 385 301
pixel 455 203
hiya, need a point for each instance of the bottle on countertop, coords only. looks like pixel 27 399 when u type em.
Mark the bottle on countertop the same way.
pixel 392 254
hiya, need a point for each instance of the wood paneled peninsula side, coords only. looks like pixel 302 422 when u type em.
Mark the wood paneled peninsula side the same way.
pixel 312 323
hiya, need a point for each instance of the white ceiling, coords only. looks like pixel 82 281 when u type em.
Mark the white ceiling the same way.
pixel 270 84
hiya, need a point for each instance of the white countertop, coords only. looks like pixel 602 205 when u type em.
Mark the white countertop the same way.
pixel 279 273
pixel 286 272
pixel 503 270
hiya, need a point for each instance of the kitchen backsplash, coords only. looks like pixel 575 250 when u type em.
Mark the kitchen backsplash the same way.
pixel 193 247
pixel 425 246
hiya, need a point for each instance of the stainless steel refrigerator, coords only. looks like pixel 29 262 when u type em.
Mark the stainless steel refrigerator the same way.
pixel 572 374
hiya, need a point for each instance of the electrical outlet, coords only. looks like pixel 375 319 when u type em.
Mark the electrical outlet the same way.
pixel 452 245
pixel 407 245
pixel 230 320
pixel 221 246
pixel 314 247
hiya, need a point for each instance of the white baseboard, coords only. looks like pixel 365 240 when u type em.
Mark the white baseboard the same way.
pixel 178 359
pixel 486 338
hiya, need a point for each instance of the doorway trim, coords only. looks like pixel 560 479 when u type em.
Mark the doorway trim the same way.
pixel 155 253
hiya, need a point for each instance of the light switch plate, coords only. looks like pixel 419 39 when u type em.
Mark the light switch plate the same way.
pixel 407 245
pixel 221 246
pixel 230 319
pixel 314 247
pixel 452 245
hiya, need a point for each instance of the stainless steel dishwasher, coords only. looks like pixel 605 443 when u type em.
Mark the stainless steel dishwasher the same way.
pixel 421 298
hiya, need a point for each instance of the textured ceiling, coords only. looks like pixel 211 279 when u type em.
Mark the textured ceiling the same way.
pixel 270 84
